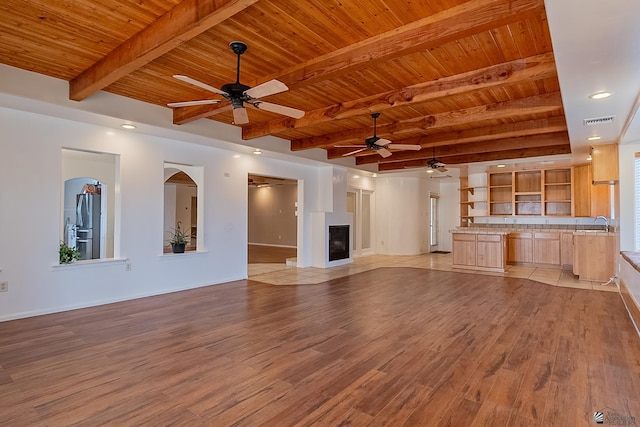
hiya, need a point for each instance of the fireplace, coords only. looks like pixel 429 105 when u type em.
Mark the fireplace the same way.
pixel 338 242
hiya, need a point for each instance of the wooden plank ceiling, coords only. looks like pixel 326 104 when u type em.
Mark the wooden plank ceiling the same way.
pixel 467 80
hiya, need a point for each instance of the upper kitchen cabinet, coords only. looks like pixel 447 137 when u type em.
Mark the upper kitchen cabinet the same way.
pixel 604 164
pixel 589 200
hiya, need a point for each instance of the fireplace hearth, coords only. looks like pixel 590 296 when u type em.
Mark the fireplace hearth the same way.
pixel 338 242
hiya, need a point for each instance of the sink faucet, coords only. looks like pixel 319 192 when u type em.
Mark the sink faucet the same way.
pixel 606 222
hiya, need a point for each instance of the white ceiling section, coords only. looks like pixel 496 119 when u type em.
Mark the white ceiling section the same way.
pixel 597 48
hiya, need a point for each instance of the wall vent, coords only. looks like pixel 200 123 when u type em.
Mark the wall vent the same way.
pixel 599 120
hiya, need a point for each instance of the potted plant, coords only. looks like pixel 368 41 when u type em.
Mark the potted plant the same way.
pixel 178 240
pixel 67 253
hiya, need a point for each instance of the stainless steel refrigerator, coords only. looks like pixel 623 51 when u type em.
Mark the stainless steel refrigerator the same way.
pixel 88 218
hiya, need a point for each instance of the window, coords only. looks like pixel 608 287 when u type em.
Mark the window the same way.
pixel 433 219
pixel 89 182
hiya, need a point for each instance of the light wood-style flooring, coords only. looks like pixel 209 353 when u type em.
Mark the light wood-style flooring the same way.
pixel 385 347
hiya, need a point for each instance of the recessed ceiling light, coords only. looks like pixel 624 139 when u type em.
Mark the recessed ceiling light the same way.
pixel 356 176
pixel 127 126
pixel 501 166
pixel 429 170
pixel 257 151
pixel 589 157
pixel 375 175
pixel 594 138
pixel 236 156
pixel 600 95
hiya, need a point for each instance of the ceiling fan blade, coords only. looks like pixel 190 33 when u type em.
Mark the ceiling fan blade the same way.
pixel 199 84
pixel 240 116
pixel 191 103
pixel 355 151
pixel 384 152
pixel 351 146
pixel 382 141
pixel 280 109
pixel 442 169
pixel 404 146
pixel 265 89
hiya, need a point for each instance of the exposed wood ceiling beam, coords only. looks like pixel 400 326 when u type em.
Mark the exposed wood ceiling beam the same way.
pixel 467 19
pixel 548 103
pixel 441 153
pixel 185 115
pixel 487 133
pixel 486 157
pixel 532 68
pixel 186 20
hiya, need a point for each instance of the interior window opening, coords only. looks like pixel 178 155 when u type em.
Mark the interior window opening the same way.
pixel 88 205
pixel 182 208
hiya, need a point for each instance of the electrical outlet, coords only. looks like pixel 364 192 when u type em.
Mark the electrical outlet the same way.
pixel 4 286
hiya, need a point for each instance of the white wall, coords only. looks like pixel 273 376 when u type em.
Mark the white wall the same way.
pixel 627 196
pixel 449 213
pixel 272 219
pixel 402 207
pixel 31 214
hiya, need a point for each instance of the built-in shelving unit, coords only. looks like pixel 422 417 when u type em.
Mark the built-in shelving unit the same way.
pixel 501 193
pixel 468 203
pixel 557 192
pixel 528 192
pixel 535 192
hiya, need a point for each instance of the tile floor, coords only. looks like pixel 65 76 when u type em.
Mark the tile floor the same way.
pixel 281 274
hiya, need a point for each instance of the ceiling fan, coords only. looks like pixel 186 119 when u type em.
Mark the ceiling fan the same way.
pixel 377 144
pixel 239 94
pixel 436 164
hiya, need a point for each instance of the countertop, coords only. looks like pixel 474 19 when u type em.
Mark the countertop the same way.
pixel 632 258
pixel 504 231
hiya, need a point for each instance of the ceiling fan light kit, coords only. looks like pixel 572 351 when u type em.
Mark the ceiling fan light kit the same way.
pixel 239 94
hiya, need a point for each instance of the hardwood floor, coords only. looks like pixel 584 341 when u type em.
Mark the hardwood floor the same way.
pixel 270 254
pixel 386 347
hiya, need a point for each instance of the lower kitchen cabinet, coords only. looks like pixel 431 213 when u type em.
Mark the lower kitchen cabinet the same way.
pixel 546 248
pixel 520 247
pixel 566 249
pixel 464 249
pixel 594 256
pixel 490 251
pixel 479 251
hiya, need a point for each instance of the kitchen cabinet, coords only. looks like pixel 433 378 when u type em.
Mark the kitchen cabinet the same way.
pixel 479 251
pixel 558 192
pixel 500 193
pixel 520 247
pixel 546 248
pixel 589 200
pixel 594 255
pixel 566 249
pixel 604 160
pixel 534 192
pixel 490 251
pixel 528 192
pixel 464 249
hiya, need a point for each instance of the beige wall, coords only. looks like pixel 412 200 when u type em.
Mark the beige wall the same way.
pixel 272 219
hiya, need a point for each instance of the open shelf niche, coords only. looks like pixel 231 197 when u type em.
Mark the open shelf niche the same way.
pixel 473 198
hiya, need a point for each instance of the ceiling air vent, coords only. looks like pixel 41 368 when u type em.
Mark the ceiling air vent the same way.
pixel 599 120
